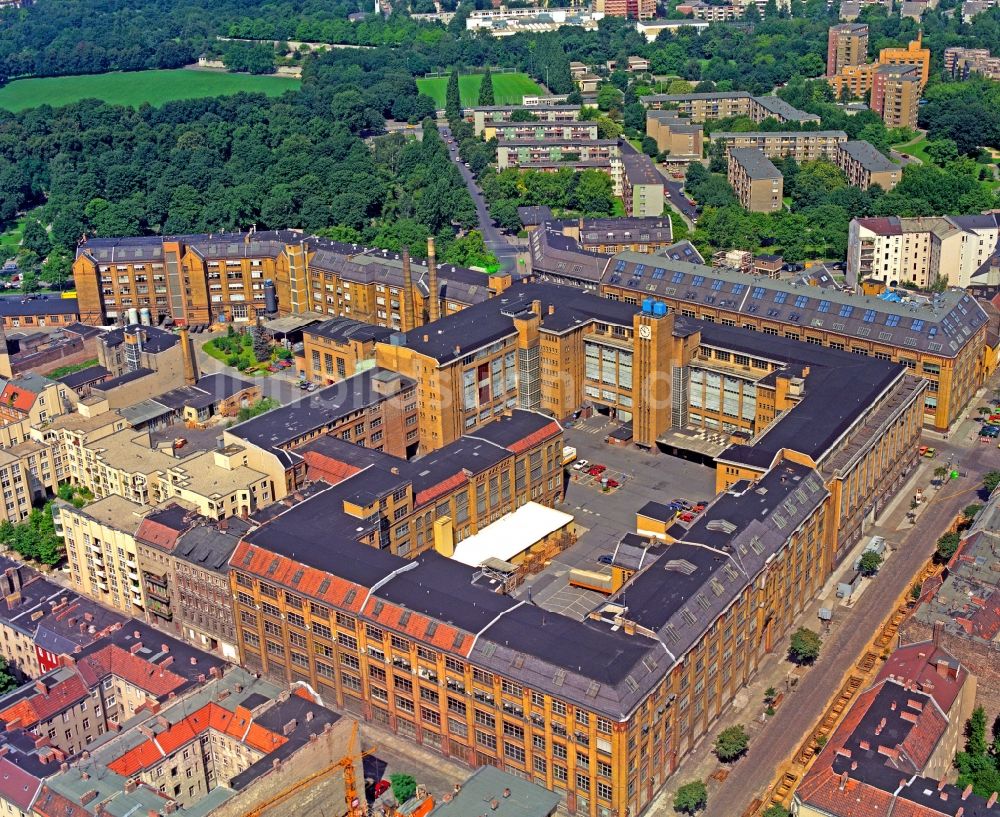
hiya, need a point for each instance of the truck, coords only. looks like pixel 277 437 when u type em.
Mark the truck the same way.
pixel 569 454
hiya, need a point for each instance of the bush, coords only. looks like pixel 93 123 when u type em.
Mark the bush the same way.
pixel 777 811
pixel 870 563
pixel 732 743
pixel 991 480
pixel 691 797
pixel 946 547
pixel 805 646
pixel 403 787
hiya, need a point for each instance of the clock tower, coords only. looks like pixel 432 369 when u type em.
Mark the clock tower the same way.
pixel 651 373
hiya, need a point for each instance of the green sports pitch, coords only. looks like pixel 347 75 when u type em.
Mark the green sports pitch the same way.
pixel 135 88
pixel 508 89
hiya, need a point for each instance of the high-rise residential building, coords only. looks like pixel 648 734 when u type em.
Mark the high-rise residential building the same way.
pixel 642 186
pixel 896 95
pixel 858 80
pixel 755 180
pixel 963 63
pixel 847 44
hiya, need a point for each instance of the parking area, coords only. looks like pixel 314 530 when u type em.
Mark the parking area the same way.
pixel 643 477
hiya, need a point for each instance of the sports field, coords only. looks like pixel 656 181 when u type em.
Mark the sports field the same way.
pixel 134 88
pixel 508 89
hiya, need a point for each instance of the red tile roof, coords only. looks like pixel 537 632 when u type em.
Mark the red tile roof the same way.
pixel 158 534
pixel 255 560
pixel 17 398
pixel 41 706
pixel 440 489
pixel 327 468
pixel 238 725
pixel 444 636
pixel 928 666
pixel 155 679
pixel 51 804
pixel 536 437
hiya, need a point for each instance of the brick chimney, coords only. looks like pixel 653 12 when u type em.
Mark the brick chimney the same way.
pixel 187 355
pixel 433 291
pixel 408 301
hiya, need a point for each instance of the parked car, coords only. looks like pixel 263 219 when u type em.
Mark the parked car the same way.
pixel 597 469
pixel 381 787
pixel 612 483
pixel 579 465
pixel 687 516
pixel 930 453
pixel 606 559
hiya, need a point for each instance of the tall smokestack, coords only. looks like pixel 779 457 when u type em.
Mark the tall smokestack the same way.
pixel 434 294
pixel 408 323
pixel 187 354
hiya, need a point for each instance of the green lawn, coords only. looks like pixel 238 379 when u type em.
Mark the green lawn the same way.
pixel 915 148
pixel 154 87
pixel 508 89
pixel 10 239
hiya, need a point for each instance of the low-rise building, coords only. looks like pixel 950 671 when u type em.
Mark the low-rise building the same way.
pixel 338 348
pixel 550 155
pixel 702 107
pixel 758 184
pixel 897 744
pixel 40 311
pixel 571 131
pixel 962 63
pixel 486 116
pixel 865 166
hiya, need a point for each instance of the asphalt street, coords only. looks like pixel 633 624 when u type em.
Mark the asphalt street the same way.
pixel 495 240
pixel 781 737
pixel 673 187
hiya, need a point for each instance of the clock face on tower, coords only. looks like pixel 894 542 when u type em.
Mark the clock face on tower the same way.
pixel 645 332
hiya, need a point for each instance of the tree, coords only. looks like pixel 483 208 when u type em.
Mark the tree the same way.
pixel 486 89
pixel 969 512
pixel 453 99
pixel 947 545
pixel 36 238
pixel 609 97
pixel 805 646
pixel 776 811
pixel 870 563
pixel 7 680
pixel 403 787
pixel 649 147
pixel 691 797
pixel 263 405
pixel 991 480
pixel 731 743
pixel 57 269
pixel 940 473
pixel 975 732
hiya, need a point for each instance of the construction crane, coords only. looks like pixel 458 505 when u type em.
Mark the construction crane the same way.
pixel 353 802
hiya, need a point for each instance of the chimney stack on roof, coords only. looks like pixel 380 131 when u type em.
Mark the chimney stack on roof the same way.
pixel 408 294
pixel 433 291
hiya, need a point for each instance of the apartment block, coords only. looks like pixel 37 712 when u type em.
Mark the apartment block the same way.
pixel 847 44
pixel 911 718
pixel 550 155
pixel 712 13
pixel 633 9
pixel 914 55
pixel 376 408
pixel 223 749
pixel 642 187
pixel 182 560
pixel 955 608
pixel 803 146
pixel 865 166
pixel 702 107
pixel 853 81
pixel 920 251
pixel 962 63
pixel 569 131
pixel 896 95
pixel 338 348
pixel 484 117
pixel 755 180
pixel 234 278
pixel 675 135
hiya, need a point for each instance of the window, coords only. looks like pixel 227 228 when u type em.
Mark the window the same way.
pixel 558 708
pixel 801 301
pixel 513 752
pixel 869 316
pixel 846 310
pixel 824 306
pixel 582 782
pixel 603 790
pixel 486 739
pixel 892 320
pixel 758 293
pixel 511 688
pixel 780 297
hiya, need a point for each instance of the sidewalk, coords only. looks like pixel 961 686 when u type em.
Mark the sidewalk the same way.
pixel 775 671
